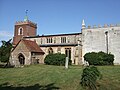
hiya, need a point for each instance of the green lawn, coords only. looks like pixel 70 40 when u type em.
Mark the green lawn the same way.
pixel 46 77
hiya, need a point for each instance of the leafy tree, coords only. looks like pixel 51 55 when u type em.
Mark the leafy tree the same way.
pixel 55 59
pixel 89 76
pixel 5 50
pixel 99 58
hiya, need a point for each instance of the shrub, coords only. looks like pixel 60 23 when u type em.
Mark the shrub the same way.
pixel 99 58
pixel 56 59
pixel 89 76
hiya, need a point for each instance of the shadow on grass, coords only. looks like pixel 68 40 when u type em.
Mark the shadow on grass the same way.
pixel 7 86
pixel 2 66
pixel 6 66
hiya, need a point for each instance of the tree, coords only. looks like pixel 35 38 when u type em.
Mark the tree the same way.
pixel 5 50
pixel 99 58
pixel 89 76
pixel 56 59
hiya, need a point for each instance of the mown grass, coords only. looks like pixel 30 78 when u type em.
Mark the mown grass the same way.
pixel 47 77
pixel 111 78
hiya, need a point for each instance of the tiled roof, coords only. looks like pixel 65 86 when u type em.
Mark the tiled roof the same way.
pixel 32 46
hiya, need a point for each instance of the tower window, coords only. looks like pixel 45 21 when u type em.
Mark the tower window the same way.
pixel 20 31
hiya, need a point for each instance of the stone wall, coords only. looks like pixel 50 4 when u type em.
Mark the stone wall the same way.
pixel 37 57
pixel 56 40
pixel 70 39
pixel 74 52
pixel 20 49
pixel 95 40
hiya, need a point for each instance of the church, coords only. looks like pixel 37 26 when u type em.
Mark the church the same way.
pixel 30 48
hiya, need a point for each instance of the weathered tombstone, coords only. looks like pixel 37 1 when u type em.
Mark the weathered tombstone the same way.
pixel 66 63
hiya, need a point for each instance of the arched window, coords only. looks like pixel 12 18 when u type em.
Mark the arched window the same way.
pixel 20 31
pixel 50 50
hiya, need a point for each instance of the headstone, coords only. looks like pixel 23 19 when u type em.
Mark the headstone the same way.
pixel 66 63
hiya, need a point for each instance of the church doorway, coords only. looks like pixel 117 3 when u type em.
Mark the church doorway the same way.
pixel 21 59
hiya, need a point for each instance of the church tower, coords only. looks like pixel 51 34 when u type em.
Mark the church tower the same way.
pixel 22 29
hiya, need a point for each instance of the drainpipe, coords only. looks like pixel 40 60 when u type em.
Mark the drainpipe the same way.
pixel 106 33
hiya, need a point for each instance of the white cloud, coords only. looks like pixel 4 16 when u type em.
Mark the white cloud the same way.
pixel 6 34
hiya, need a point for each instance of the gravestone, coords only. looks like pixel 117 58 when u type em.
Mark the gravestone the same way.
pixel 66 63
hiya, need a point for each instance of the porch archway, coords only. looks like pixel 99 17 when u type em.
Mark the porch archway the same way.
pixel 21 59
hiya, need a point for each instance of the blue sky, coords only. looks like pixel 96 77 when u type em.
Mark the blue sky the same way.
pixel 57 16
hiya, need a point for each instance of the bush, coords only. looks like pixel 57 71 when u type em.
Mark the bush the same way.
pixel 99 58
pixel 89 76
pixel 56 59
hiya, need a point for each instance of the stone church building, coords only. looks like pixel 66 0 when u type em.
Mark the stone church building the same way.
pixel 30 48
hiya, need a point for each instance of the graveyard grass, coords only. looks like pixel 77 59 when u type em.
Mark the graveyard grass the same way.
pixel 48 77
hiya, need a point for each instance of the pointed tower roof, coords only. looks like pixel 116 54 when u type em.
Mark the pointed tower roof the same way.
pixel 83 22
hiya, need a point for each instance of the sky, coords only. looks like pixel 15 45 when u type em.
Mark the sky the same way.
pixel 57 16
